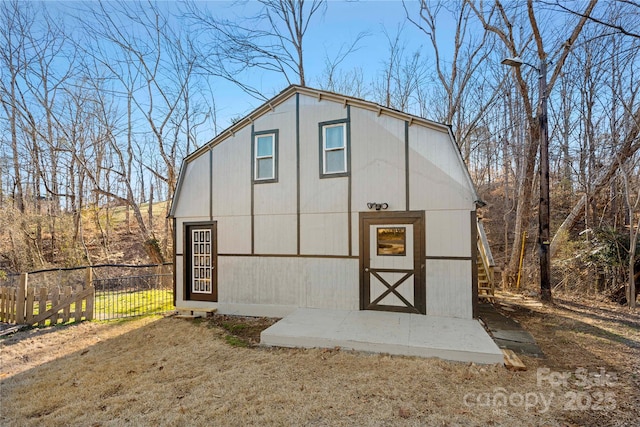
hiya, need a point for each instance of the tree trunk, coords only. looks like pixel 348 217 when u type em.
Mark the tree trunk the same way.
pixel 629 148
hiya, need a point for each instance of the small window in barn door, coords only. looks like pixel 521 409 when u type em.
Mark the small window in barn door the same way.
pixel 391 241
pixel 265 156
pixel 333 149
pixel 200 271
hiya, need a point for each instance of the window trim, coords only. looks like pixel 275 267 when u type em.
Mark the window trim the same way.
pixel 255 158
pixel 344 123
pixel 404 240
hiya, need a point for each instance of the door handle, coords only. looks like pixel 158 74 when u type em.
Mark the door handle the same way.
pixel 366 270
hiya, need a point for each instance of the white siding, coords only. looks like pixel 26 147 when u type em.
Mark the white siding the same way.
pixel 275 204
pixel 331 283
pixel 279 197
pixel 179 279
pixel 323 202
pixel 328 195
pixel 377 160
pixel 448 233
pixel 438 185
pixel 437 178
pixel 232 176
pixel 194 192
pixel 449 288
pixel 324 234
pixel 275 234
pixel 234 234
pixel 295 281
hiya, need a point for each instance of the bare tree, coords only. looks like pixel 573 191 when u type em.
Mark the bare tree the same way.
pixel 633 207
pixel 350 82
pixel 626 24
pixel 270 40
pixel 151 67
pixel 15 24
pixel 467 90
pixel 613 55
pixel 402 75
pixel 497 21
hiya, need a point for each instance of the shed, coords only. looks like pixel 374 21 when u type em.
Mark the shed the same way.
pixel 320 200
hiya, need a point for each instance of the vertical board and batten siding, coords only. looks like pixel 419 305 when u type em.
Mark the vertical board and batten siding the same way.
pixel 326 274
pixel 378 164
pixel 275 205
pixel 449 288
pixel 323 202
pixel 436 179
pixel 439 186
pixel 231 192
pixel 195 189
pixel 286 283
pixel 378 160
pixel 193 205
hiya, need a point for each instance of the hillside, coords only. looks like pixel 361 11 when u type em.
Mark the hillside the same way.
pixel 107 235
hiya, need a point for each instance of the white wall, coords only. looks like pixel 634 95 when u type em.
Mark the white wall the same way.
pixel 323 202
pixel 289 281
pixel 449 288
pixel 437 181
pixel 194 192
pixel 448 233
pixel 377 160
pixel 437 185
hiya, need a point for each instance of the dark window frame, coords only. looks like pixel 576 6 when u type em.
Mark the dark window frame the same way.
pixel 254 156
pixel 347 148
pixel 404 241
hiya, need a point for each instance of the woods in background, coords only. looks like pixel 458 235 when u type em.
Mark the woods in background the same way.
pixel 101 103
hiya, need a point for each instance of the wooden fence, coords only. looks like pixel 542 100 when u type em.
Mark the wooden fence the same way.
pixel 48 297
pixel 26 306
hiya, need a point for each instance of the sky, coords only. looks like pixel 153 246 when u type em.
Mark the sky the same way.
pixel 339 25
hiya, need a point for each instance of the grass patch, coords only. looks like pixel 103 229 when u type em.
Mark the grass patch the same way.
pixel 235 328
pixel 116 305
pixel 235 341
pixel 124 304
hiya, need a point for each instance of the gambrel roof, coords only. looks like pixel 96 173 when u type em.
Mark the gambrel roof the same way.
pixel 321 95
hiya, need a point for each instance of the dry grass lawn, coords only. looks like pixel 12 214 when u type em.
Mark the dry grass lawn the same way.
pixel 176 372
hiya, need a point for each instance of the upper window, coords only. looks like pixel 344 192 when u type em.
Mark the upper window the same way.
pixel 265 152
pixel 334 148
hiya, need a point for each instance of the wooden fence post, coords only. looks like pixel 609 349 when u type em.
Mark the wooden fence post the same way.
pixel 20 300
pixel 88 281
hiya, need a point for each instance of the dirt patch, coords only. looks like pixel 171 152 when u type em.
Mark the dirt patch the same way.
pixel 242 331
pixel 168 371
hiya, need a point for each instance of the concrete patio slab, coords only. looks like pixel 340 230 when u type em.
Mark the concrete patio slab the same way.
pixel 463 340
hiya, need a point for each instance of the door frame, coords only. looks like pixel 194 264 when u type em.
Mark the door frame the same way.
pixel 188 259
pixel 415 218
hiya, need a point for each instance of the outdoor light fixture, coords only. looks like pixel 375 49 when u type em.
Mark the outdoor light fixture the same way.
pixel 377 206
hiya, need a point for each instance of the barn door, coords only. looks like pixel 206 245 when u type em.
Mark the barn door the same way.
pixel 201 262
pixel 392 262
